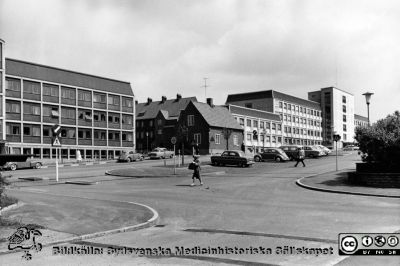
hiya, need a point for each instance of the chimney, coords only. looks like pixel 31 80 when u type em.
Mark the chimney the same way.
pixel 178 97
pixel 136 102
pixel 149 100
pixel 163 99
pixel 210 102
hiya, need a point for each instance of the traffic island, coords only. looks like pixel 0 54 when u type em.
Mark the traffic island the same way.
pixel 337 182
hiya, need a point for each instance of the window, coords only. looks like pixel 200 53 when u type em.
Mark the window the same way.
pixel 36 131
pixel 344 118
pixel 267 125
pixel 31 87
pixel 84 96
pixel 273 126
pixel 13 84
pixel 285 106
pixel 289 107
pixel 343 99
pixel 248 137
pixel 13 107
pixel 262 125
pixel 46 132
pixel 241 121
pixel 27 131
pixel 190 120
pixel 248 122
pixel 68 113
pixel 268 138
pixel 99 98
pixel 13 129
pixel 197 138
pixel 159 122
pixel 116 119
pixel 262 138
pixel 235 140
pixel 285 117
pixel 344 128
pixel 344 108
pixel 280 104
pixel 217 139
pixel 255 123
pixel 113 100
pixel 50 90
pixel 126 102
pixel 273 139
pixel 279 127
pixel 248 105
pixel 68 93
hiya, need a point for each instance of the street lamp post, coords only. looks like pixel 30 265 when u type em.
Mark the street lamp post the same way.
pixel 368 99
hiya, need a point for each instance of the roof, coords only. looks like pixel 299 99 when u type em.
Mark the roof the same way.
pixel 217 116
pixel 360 117
pixel 240 110
pixel 271 94
pixel 172 107
pixel 70 78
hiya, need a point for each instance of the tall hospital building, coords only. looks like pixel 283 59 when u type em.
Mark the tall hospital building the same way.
pixel 96 114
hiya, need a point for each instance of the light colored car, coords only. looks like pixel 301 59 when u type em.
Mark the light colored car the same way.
pixel 325 149
pixel 351 148
pixel 313 151
pixel 130 156
pixel 161 153
pixel 29 163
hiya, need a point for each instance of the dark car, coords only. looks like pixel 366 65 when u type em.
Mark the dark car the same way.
pixel 313 151
pixel 29 163
pixel 276 154
pixel 238 158
pixel 130 156
pixel 291 150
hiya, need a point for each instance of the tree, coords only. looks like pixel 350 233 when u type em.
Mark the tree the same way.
pixel 381 141
pixel 227 132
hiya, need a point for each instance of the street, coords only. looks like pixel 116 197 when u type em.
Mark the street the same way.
pixel 260 206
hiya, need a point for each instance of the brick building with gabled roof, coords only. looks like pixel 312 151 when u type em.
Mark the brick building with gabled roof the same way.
pixel 212 127
pixel 156 121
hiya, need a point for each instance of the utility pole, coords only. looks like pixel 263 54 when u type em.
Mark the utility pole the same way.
pixel 205 88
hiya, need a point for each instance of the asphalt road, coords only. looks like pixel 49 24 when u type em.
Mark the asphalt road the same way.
pixel 252 207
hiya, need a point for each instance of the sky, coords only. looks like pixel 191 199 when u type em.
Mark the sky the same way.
pixel 165 47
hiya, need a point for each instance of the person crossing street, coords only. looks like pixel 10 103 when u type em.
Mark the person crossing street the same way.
pixel 300 157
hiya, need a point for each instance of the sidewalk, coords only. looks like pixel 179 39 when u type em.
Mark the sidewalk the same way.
pixel 49 164
pixel 336 182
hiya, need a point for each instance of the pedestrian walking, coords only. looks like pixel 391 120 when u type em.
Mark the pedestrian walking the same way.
pixel 300 157
pixel 195 166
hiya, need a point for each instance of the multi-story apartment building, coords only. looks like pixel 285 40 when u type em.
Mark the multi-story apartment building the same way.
pixel 96 114
pixel 260 128
pixel 301 119
pixel 338 114
pixel 360 121
pixel 156 121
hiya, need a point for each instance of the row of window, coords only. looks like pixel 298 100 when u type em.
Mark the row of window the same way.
pixel 217 139
pixel 149 123
pixel 32 87
pixel 69 113
pixel 304 121
pixel 264 138
pixel 300 109
pixel 302 131
pixel 256 123
pixel 34 131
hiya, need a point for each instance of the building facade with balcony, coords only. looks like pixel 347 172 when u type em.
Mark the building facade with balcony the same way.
pixel 96 114
pixel 338 114
pixel 261 129
pixel 301 120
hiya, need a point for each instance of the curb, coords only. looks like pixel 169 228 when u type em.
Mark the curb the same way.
pixel 10 207
pixel 151 222
pixel 300 184
pixel 77 164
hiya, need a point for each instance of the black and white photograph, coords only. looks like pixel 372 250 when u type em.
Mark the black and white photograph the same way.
pixel 201 132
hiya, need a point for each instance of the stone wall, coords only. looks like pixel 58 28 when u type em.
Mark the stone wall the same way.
pixel 382 180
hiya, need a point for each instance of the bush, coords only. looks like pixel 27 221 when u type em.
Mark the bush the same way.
pixel 5 200
pixel 381 141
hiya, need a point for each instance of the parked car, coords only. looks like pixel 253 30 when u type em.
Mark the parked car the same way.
pixel 290 150
pixel 351 148
pixel 276 154
pixel 238 158
pixel 313 151
pixel 324 149
pixel 161 153
pixel 130 156
pixel 29 163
